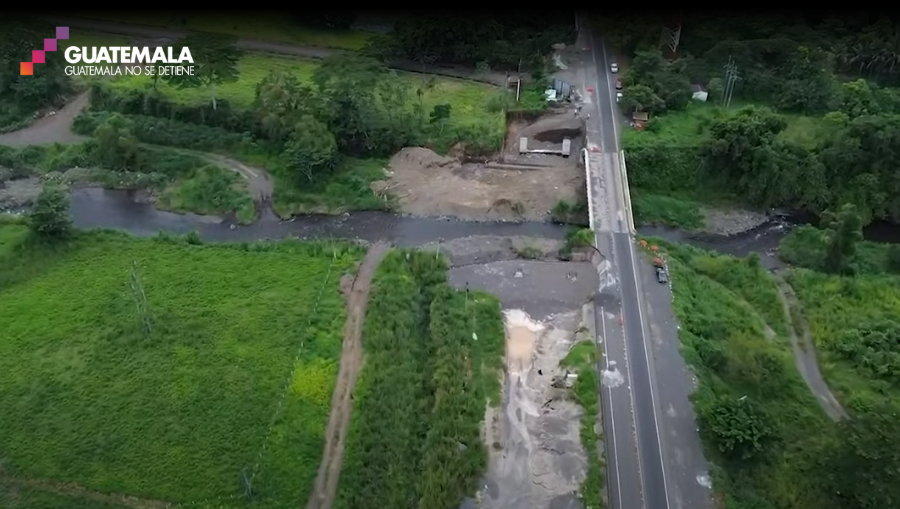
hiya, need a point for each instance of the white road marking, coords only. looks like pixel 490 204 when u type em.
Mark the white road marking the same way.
pixel 634 274
pixel 612 418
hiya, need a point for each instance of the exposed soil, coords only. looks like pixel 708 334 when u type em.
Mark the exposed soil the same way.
pixel 805 354
pixel 326 483
pixel 536 459
pixel 52 128
pixel 547 132
pixel 429 185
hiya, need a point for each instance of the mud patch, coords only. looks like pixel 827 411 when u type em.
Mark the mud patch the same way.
pixel 536 459
pixel 426 184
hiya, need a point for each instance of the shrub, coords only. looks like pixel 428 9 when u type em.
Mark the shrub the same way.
pixel 171 133
pixel 152 103
pixel 664 168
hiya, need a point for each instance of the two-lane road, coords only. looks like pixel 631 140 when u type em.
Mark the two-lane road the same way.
pixel 636 472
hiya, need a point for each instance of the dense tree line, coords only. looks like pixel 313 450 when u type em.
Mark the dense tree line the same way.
pixel 21 96
pixel 504 41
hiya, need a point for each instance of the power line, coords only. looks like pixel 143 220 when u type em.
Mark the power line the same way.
pixel 731 76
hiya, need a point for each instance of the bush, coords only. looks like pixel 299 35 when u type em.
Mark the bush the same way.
pixel 49 219
pixel 664 168
pixel 150 102
pixel 170 133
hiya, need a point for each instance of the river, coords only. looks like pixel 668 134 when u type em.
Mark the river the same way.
pixel 105 208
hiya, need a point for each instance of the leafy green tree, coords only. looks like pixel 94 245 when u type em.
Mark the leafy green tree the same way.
pixel 50 216
pixel 114 144
pixel 312 149
pixel 845 231
pixel 858 99
pixel 216 59
pixel 806 84
pixel 440 114
pixel 739 428
pixel 280 102
pixel 642 98
pixel 743 149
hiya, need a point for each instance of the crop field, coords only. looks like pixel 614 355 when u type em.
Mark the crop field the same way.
pixel 235 374
pixel 469 100
pixel 273 26
pixel 423 389
pixel 691 126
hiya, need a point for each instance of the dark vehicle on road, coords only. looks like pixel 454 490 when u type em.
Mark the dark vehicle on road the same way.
pixel 618 84
pixel 661 275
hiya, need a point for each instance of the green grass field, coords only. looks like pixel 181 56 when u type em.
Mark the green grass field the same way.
pixel 273 26
pixel 469 100
pixel 178 414
pixel 692 125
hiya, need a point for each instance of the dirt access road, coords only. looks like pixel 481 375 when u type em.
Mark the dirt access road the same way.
pixel 805 354
pixel 58 129
pixel 326 484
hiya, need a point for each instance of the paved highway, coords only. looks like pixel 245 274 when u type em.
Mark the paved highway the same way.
pixel 636 473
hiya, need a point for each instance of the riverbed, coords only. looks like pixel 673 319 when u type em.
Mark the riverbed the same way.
pixel 125 210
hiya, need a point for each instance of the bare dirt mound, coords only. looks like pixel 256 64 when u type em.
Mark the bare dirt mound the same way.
pixel 327 479
pixel 427 184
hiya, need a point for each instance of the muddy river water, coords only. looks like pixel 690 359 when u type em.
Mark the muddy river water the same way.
pixel 103 208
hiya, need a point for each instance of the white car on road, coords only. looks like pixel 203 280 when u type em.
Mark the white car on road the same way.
pixel 614 67
pixel 618 96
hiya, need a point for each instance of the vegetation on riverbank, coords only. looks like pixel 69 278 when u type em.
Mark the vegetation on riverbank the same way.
pixel 806 127
pixel 762 428
pixel 582 360
pixel 131 313
pixel 182 182
pixel 420 400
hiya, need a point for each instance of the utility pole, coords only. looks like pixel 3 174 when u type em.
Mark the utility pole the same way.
pixel 731 76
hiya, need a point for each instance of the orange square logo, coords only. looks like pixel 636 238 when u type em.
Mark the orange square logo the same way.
pixel 26 69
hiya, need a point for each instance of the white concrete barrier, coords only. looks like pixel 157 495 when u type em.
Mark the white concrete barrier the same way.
pixel 590 192
pixel 627 190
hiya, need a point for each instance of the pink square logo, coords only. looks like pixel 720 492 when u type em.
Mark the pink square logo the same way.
pixel 49 44
pixel 62 32
pixel 37 56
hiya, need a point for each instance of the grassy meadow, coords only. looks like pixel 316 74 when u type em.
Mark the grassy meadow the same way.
pixel 691 126
pixel 470 101
pixel 176 414
pixel 271 26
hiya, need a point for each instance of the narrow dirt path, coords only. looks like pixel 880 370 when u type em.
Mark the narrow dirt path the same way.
pixel 75 490
pixel 805 354
pixel 50 129
pixel 58 129
pixel 326 484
